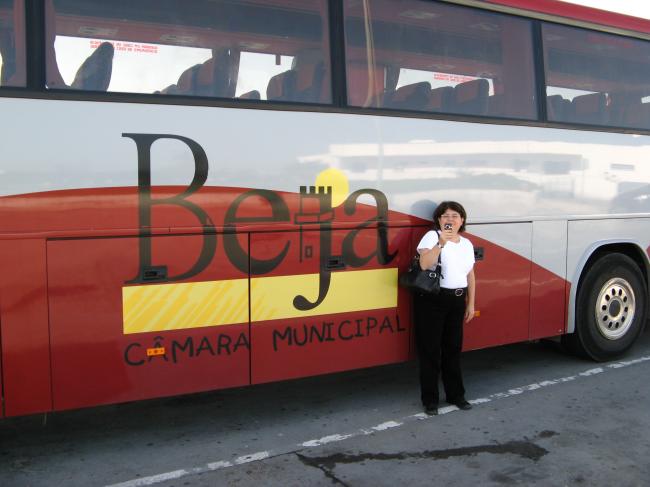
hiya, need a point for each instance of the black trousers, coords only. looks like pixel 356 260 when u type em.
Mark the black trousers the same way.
pixel 439 339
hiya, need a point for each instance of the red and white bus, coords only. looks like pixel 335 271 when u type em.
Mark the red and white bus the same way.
pixel 201 194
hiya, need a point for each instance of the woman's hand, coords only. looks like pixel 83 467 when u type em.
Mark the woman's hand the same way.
pixel 469 312
pixel 471 296
pixel 446 235
pixel 428 258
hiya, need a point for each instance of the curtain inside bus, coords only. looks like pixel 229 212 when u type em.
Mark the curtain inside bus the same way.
pixel 435 57
pixel 12 43
pixel 596 78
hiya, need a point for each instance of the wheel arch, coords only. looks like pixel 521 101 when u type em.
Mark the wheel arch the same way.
pixel 630 248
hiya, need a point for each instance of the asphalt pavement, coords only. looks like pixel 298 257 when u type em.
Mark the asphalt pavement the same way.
pixel 540 417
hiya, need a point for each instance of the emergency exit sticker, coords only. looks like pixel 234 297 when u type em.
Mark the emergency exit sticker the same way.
pixel 128 46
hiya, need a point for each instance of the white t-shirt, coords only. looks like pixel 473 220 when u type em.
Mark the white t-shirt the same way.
pixel 457 259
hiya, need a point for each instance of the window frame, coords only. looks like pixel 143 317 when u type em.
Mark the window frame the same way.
pixel 535 90
pixel 18 21
pixel 569 29
pixel 46 52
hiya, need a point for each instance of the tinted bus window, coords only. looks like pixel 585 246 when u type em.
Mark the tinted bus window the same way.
pixel 429 56
pixel 275 50
pixel 12 43
pixel 596 78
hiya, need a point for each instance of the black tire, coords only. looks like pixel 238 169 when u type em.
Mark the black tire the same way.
pixel 611 309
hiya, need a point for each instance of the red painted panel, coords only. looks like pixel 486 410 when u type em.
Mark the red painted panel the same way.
pixel 2 410
pixel 77 209
pixel 415 234
pixel 502 298
pixel 547 304
pixel 301 347
pixel 298 347
pixel 94 362
pixel 24 325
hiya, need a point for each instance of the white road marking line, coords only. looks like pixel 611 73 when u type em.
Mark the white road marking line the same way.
pixel 209 467
pixel 218 465
pixel 257 456
pixel 386 425
pixel 597 370
pixel 326 439
pixel 635 361
pixel 253 457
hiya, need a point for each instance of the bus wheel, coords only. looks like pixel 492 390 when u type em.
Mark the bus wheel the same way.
pixel 610 308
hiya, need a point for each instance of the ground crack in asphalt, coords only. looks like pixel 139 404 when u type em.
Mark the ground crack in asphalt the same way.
pixel 525 449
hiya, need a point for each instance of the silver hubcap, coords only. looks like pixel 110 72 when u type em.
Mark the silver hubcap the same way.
pixel 615 308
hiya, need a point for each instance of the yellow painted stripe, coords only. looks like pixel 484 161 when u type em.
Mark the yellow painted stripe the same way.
pixel 162 307
pixel 272 297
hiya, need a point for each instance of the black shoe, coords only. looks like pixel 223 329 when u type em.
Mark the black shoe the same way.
pixel 461 404
pixel 431 409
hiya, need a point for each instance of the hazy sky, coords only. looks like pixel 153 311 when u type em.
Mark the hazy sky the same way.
pixel 636 8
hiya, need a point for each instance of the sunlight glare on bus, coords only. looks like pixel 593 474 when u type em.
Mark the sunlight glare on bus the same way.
pixel 339 183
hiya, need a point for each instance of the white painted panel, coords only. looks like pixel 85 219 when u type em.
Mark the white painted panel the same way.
pixel 550 246
pixel 498 172
pixel 515 237
pixel 585 236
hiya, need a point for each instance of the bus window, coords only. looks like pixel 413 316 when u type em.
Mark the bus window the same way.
pixel 596 78
pixel 256 71
pixel 209 48
pixel 12 43
pixel 434 57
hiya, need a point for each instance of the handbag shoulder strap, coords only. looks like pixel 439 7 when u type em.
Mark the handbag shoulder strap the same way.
pixel 439 265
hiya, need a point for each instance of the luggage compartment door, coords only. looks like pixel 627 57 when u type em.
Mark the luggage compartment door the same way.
pixel 503 276
pixel 118 335
pixel 330 304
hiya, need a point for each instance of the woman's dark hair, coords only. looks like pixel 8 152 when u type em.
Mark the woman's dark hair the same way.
pixel 449 205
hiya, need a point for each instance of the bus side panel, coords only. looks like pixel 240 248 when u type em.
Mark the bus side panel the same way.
pixel 585 236
pixel 2 409
pixel 115 341
pixel 363 320
pixel 548 279
pixel 25 334
pixel 502 285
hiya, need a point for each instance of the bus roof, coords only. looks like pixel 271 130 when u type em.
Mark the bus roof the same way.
pixel 575 14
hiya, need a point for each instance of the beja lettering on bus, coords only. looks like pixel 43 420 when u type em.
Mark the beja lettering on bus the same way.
pixel 238 256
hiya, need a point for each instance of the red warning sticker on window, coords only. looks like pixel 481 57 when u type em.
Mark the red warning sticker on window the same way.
pixel 128 46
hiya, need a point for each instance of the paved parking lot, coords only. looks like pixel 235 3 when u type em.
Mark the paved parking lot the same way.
pixel 540 418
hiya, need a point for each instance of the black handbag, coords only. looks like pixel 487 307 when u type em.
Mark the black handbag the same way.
pixel 421 281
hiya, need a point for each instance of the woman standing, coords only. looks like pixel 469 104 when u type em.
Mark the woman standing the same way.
pixel 439 318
